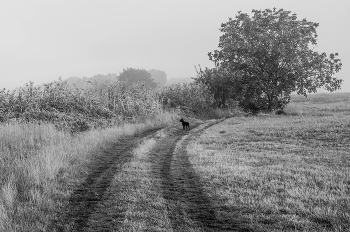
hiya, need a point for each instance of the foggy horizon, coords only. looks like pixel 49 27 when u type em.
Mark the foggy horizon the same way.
pixel 43 41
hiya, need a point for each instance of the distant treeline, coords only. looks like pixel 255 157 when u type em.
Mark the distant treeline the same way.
pixel 101 81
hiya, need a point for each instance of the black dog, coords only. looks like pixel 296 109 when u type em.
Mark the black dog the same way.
pixel 185 124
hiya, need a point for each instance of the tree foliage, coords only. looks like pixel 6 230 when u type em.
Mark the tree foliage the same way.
pixel 99 80
pixel 219 83
pixel 265 57
pixel 137 76
pixel 158 76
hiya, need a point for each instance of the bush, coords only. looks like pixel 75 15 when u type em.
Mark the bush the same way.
pixel 193 97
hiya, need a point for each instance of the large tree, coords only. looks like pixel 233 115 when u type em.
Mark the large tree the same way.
pixel 269 55
pixel 134 76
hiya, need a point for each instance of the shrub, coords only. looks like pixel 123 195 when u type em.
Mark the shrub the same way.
pixel 193 97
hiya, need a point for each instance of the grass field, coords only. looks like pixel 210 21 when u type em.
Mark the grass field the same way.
pixel 282 173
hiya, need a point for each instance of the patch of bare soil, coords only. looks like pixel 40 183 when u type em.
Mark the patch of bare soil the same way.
pixel 190 207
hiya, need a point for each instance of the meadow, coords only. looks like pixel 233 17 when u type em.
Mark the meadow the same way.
pixel 278 172
pixel 281 173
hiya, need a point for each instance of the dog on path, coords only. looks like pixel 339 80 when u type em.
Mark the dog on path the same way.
pixel 185 125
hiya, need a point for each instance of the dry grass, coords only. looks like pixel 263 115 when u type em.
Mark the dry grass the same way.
pixel 39 165
pixel 283 173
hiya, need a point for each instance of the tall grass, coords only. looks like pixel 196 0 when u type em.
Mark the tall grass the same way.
pixel 78 109
pixel 39 165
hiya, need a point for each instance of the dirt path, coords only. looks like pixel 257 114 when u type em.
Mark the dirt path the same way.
pixel 191 208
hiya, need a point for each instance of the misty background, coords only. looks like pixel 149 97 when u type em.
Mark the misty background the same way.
pixel 43 40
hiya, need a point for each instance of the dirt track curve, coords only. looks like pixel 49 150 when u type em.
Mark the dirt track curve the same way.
pixel 188 204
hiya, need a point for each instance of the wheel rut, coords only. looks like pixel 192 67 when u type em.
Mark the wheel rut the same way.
pixel 86 198
pixel 182 188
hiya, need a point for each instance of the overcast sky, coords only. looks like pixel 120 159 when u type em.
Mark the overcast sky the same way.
pixel 42 40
